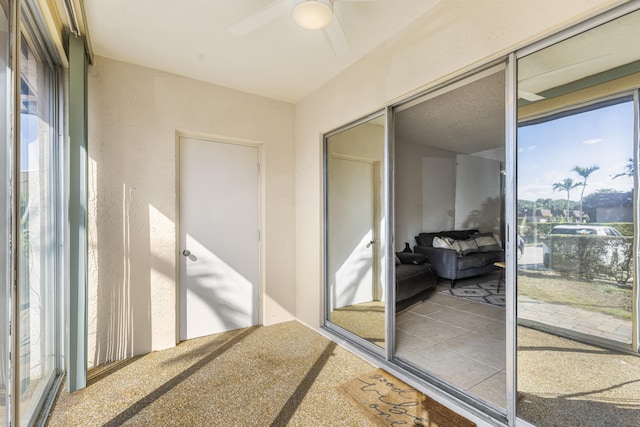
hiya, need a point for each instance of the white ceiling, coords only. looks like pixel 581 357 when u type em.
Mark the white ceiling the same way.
pixel 600 49
pixel 204 40
pixel 467 119
pixel 279 60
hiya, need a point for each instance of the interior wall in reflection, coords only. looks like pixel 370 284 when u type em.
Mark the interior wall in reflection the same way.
pixel 425 180
pixel 479 191
pixel 577 357
pixel 449 153
pixel 355 261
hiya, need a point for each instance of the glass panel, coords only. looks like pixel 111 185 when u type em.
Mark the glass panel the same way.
pixel 37 238
pixel 449 191
pixel 355 225
pixel 576 276
pixel 4 203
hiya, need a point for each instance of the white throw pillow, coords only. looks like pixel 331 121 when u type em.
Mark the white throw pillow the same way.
pixel 446 243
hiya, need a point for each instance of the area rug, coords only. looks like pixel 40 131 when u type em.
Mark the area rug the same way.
pixel 387 401
pixel 485 291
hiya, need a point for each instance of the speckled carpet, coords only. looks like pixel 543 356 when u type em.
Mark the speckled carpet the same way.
pixel 280 375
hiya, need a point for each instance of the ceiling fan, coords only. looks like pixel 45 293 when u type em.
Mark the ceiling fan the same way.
pixel 309 14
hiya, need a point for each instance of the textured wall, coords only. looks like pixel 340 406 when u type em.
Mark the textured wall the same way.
pixel 455 35
pixel 134 114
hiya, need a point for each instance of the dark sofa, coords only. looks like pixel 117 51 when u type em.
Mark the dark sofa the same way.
pixel 460 262
pixel 415 279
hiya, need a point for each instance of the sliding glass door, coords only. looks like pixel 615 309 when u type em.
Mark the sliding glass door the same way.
pixel 577 200
pixel 355 224
pixel 548 331
pixel 449 152
pixel 37 231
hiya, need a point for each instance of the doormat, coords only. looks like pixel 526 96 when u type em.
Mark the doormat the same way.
pixel 387 401
pixel 485 292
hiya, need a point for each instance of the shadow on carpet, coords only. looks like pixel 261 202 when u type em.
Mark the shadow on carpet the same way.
pixel 387 401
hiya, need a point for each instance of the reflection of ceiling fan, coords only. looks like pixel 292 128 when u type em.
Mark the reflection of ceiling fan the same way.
pixel 309 14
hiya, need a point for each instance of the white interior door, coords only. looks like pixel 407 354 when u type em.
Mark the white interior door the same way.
pixel 219 237
pixel 352 231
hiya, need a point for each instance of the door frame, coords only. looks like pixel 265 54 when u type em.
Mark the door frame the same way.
pixel 180 134
pixel 376 267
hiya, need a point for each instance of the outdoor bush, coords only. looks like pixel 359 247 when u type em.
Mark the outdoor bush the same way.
pixel 592 257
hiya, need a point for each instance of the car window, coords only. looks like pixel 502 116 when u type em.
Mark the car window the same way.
pixel 613 232
pixel 584 231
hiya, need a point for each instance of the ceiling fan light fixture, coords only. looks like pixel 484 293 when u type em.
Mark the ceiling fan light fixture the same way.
pixel 313 14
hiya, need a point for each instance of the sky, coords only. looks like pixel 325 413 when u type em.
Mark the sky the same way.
pixel 548 151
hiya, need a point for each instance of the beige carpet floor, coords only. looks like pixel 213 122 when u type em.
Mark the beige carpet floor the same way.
pixel 365 320
pixel 279 375
pixel 287 374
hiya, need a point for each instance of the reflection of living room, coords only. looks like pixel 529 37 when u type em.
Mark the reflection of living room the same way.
pixel 449 153
pixel 449 159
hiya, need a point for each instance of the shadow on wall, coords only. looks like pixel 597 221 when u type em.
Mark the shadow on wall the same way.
pixel 487 218
pixel 346 280
pixel 118 269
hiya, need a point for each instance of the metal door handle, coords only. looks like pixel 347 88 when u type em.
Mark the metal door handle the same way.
pixel 370 243
pixel 186 252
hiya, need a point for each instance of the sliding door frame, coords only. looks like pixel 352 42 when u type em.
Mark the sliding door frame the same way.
pixel 359 342
pixel 24 21
pixel 511 227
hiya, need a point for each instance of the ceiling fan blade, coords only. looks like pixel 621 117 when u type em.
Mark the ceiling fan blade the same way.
pixel 334 34
pixel 261 18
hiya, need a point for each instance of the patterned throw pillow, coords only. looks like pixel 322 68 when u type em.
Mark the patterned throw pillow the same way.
pixel 487 242
pixel 468 246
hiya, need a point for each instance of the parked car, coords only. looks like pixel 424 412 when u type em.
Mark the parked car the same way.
pixel 577 229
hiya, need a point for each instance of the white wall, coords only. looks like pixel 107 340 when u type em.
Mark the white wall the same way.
pixel 424 191
pixel 478 196
pixel 134 114
pixel 455 36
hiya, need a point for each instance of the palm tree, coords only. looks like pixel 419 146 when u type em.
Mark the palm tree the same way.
pixel 628 169
pixel 584 172
pixel 566 185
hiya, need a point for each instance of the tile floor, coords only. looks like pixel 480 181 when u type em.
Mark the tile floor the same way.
pixel 457 340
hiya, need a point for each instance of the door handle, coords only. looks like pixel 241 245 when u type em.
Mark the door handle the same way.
pixel 186 252
pixel 370 243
